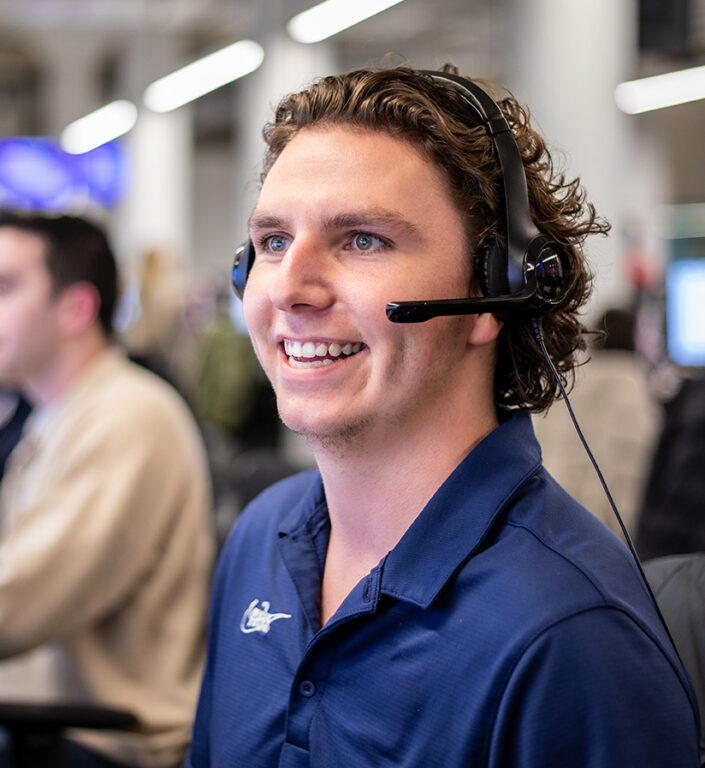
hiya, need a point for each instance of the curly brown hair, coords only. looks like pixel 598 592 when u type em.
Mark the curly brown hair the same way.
pixel 436 119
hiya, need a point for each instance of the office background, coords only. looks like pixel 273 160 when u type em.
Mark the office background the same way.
pixel 183 182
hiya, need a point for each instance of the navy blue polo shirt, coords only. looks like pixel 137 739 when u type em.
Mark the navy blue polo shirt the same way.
pixel 508 627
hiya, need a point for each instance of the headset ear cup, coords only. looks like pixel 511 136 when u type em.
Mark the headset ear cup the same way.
pixel 244 257
pixel 551 268
pixel 491 261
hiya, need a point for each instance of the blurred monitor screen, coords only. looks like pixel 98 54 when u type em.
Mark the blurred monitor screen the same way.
pixel 685 312
pixel 36 173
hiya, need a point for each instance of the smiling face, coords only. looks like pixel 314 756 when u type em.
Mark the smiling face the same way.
pixel 346 222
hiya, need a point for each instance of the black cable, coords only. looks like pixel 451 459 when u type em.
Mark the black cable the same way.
pixel 538 333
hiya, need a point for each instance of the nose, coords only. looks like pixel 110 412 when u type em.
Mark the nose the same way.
pixel 303 278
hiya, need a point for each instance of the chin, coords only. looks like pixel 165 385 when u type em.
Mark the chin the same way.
pixel 327 434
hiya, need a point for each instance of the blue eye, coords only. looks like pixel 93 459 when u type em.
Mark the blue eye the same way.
pixel 365 242
pixel 275 243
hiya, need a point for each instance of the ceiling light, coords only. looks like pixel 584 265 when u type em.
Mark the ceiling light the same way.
pixel 332 16
pixel 661 91
pixel 203 76
pixel 99 127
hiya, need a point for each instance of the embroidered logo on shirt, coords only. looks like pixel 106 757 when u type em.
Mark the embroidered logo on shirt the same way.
pixel 259 619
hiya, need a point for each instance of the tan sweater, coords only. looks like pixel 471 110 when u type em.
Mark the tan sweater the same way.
pixel 106 552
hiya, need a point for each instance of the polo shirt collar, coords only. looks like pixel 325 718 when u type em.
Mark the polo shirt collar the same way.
pixel 453 524
pixel 456 520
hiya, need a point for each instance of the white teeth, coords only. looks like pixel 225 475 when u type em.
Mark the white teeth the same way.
pixel 294 363
pixel 307 350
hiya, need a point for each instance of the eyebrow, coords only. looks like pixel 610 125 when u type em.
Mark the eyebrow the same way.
pixel 367 217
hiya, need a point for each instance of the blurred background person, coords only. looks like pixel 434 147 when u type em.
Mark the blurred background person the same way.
pixel 105 521
pixel 619 417
pixel 672 505
pixel 151 339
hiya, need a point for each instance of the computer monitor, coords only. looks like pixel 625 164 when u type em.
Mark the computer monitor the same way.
pixel 685 312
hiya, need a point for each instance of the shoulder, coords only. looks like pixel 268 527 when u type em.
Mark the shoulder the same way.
pixel 549 526
pixel 145 387
pixel 121 414
pixel 130 397
pixel 584 647
pixel 594 672
pixel 552 559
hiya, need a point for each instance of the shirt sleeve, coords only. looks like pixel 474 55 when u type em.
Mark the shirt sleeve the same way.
pixel 92 528
pixel 595 690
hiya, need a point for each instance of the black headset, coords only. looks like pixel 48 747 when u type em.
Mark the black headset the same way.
pixel 244 259
pixel 530 273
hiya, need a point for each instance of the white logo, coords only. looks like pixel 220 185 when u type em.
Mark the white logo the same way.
pixel 259 619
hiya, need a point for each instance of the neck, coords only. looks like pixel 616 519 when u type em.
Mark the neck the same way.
pixel 67 367
pixel 377 487
pixel 375 491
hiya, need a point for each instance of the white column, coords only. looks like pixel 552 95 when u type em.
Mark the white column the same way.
pixel 156 212
pixel 568 57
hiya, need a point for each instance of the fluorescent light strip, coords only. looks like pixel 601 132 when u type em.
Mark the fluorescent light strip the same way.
pixel 99 127
pixel 661 91
pixel 203 76
pixel 332 16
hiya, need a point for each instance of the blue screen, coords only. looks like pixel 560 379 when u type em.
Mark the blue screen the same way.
pixel 685 312
pixel 36 173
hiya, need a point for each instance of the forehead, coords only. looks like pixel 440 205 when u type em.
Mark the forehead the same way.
pixel 21 251
pixel 340 166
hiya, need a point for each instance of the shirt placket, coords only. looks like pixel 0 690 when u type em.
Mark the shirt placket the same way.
pixel 317 666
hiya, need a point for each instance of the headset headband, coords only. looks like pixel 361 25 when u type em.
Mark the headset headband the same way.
pixel 520 229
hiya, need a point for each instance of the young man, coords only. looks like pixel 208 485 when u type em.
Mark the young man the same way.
pixel 105 518
pixel 429 596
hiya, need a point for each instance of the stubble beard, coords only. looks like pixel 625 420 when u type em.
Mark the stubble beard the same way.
pixel 337 440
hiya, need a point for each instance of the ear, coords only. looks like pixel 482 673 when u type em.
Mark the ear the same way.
pixel 484 330
pixel 80 304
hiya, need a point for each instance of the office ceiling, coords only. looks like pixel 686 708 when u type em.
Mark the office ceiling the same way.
pixel 424 32
pixel 472 33
pixel 406 23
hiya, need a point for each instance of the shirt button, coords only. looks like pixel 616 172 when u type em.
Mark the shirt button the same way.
pixel 307 688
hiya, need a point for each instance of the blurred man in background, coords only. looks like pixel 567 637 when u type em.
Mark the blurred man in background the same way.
pixel 105 521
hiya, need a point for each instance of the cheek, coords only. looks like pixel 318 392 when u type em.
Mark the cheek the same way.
pixel 257 322
pixel 253 308
pixel 20 323
pixel 439 343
